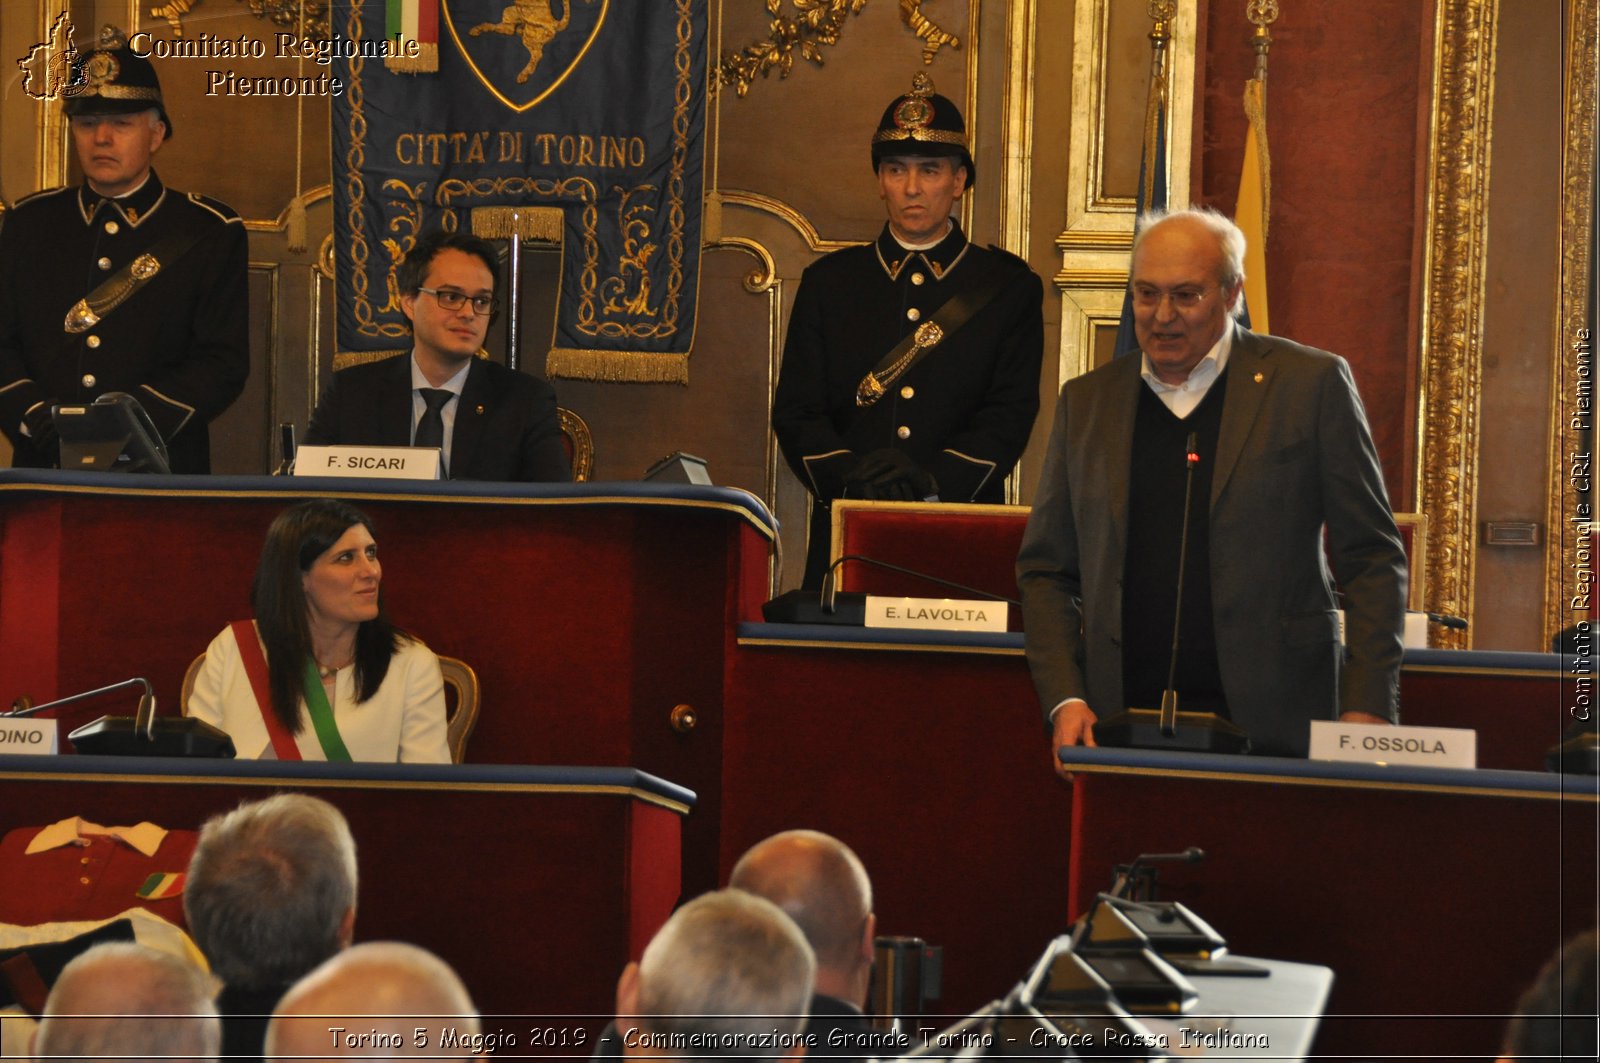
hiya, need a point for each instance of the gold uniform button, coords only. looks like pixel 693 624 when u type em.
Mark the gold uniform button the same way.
pixel 913 314
pixel 917 278
pixel 113 228
pixel 903 432
pixel 88 380
pixel 93 342
pixel 104 263
pixel 84 880
pixel 908 392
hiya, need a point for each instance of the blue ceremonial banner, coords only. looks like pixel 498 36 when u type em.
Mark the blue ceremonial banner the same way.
pixel 573 121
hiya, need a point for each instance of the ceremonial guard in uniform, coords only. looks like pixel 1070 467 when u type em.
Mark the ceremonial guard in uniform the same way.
pixel 911 367
pixel 120 284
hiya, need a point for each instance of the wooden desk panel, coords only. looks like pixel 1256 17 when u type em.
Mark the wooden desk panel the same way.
pixel 536 884
pixel 935 767
pixel 588 611
pixel 1435 896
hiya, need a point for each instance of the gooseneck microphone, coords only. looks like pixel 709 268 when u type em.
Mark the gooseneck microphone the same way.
pixel 1169 696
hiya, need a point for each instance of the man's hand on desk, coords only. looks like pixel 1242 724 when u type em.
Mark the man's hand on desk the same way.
pixel 1363 717
pixel 1074 727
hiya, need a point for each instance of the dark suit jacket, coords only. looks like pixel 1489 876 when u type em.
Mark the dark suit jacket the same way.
pixel 506 423
pixel 1294 454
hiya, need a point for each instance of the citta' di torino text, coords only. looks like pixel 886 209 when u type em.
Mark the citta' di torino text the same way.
pixel 320 50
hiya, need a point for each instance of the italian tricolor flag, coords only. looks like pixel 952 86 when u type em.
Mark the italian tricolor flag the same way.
pixel 413 20
pixel 162 884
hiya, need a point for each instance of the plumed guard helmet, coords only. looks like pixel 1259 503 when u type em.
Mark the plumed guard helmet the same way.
pixel 923 123
pixel 112 80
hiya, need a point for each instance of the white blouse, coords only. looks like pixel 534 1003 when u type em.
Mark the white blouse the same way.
pixel 404 721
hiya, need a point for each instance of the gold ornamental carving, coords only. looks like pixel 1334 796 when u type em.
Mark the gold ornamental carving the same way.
pixel 1569 564
pixel 1453 299
pixel 812 26
pixel 806 29
pixel 304 17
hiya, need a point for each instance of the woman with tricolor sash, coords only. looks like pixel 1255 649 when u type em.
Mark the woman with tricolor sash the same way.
pixel 320 673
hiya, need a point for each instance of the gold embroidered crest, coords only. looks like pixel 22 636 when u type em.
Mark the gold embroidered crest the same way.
pixel 100 68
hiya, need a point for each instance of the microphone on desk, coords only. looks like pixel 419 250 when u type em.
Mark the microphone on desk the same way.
pixel 1454 623
pixel 142 734
pixel 832 606
pixel 286 447
pixel 1168 728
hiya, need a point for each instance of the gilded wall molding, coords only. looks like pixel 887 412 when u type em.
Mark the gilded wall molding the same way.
pixel 785 212
pixel 1572 372
pixel 50 157
pixel 1098 235
pixel 1453 299
pixel 1017 170
pixel 281 222
pixel 764 280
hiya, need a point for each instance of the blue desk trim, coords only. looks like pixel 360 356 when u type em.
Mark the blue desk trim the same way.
pixel 1482 782
pixel 841 636
pixel 457 777
pixel 687 496
pixel 1483 660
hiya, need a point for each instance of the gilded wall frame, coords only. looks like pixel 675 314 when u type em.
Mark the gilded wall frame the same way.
pixel 1452 300
pixel 1563 560
pixel 1098 235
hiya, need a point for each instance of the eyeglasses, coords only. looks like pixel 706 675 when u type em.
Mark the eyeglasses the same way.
pixel 1183 299
pixel 450 299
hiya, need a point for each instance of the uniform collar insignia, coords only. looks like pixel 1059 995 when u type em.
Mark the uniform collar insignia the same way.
pixel 133 209
pixel 938 260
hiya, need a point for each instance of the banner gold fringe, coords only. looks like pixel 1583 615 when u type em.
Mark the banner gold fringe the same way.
pixel 426 62
pixel 618 367
pixel 346 359
pixel 526 223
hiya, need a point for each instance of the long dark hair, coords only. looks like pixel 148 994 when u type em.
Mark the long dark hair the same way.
pixel 299 536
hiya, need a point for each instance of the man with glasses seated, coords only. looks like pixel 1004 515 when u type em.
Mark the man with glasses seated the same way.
pixel 490 422
pixel 1276 441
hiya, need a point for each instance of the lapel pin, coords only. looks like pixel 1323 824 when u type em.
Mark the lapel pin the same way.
pixel 1259 378
pixel 480 408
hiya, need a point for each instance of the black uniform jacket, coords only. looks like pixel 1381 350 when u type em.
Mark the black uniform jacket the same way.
pixel 963 412
pixel 179 344
pixel 507 427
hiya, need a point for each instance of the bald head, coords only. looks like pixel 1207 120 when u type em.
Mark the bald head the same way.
pixel 380 993
pixel 121 1000
pixel 821 884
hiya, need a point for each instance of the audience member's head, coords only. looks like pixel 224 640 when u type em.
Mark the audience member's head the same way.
pixel 389 998
pixel 124 1001
pixel 271 890
pixel 1557 1017
pixel 819 883
pixel 728 976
